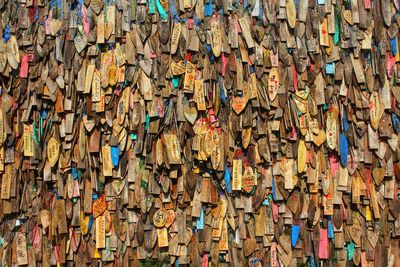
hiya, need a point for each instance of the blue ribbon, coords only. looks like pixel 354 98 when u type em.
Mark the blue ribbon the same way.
pixel 251 69
pixel 273 189
pixel 345 122
pixel 208 9
pixel 91 220
pixel 331 234
pixel 173 12
pixel 227 179
pixel 74 173
pixel 295 234
pixel 222 95
pixel 344 149
pixel 200 220
pixel 197 21
pixel 209 51
pixel 115 155
pixel 312 261
pixel 396 122
pixel 393 45
pixel 7 33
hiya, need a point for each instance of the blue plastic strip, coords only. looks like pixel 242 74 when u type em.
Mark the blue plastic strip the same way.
pixel 227 179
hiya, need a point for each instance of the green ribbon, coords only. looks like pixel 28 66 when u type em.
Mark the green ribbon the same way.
pixel 146 127
pixel 151 7
pixel 350 251
pixel 161 10
pixel 336 36
pixel 175 82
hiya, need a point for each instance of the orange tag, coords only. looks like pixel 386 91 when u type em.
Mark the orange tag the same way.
pixel 238 104
pixel 170 218
pixel 223 241
pixel 99 206
pixel 248 180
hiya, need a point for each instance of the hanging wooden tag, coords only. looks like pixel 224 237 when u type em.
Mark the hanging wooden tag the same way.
pixel 199 94
pixel 22 255
pixel 170 218
pixel 177 68
pixel 291 13
pixel 89 77
pixel 107 164
pixel 223 241
pixel 301 156
pixel 1 159
pixel 100 232
pixel 60 216
pixel 2 134
pixel 331 129
pixel 145 86
pixel 358 69
pixel 237 175
pixel 323 33
pixel 173 148
pixel 28 141
pixel 53 151
pixel 176 33
pixel 374 202
pixel 6 182
pixel 100 29
pixel 96 86
pixel 99 206
pixel 248 180
pixel 113 73
pixel 162 237
pixel 238 104
pixel 246 31
pixel 160 218
pixel 105 68
pixel 216 157
pixel 375 109
pixel 216 37
pixel 188 84
pixel 273 83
